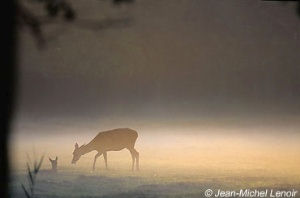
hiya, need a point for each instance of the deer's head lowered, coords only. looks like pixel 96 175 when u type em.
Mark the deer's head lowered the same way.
pixel 76 154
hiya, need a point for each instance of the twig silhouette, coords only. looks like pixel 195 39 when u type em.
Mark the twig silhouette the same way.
pixel 31 176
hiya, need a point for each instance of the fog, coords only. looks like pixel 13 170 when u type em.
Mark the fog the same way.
pixel 264 150
pixel 211 87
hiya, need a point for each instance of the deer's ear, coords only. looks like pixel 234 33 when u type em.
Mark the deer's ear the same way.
pixel 56 158
pixel 76 145
pixel 50 159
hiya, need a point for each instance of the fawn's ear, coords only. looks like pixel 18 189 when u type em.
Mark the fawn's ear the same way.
pixel 76 145
pixel 50 159
pixel 56 158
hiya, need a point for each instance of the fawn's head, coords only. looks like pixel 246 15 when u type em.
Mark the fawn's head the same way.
pixel 53 162
pixel 76 154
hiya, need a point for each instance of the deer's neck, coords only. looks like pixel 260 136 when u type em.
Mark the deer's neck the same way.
pixel 87 148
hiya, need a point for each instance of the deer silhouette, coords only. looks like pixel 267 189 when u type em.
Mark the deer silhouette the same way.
pixel 112 140
pixel 54 164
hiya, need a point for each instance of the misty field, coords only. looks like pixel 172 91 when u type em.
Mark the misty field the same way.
pixel 117 183
pixel 170 165
pixel 167 172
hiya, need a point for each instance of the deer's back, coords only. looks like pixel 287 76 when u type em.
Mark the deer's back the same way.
pixel 115 139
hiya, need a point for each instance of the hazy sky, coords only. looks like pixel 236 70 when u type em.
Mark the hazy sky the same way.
pixel 169 59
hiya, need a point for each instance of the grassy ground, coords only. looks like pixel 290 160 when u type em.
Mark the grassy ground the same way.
pixel 147 183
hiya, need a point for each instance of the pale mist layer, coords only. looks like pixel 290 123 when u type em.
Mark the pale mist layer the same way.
pixel 170 148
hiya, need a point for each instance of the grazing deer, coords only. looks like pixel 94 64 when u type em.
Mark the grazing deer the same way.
pixel 112 140
pixel 54 164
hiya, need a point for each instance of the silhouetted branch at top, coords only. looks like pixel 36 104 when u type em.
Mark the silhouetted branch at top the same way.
pixel 64 9
pixel 27 18
pixel 53 9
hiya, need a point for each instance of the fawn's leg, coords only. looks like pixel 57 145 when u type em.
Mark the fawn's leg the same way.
pixel 105 159
pixel 95 159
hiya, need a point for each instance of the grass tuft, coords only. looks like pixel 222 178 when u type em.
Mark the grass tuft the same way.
pixel 31 176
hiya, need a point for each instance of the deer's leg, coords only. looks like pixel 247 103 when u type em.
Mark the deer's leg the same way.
pixel 95 159
pixel 137 157
pixel 105 159
pixel 133 158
